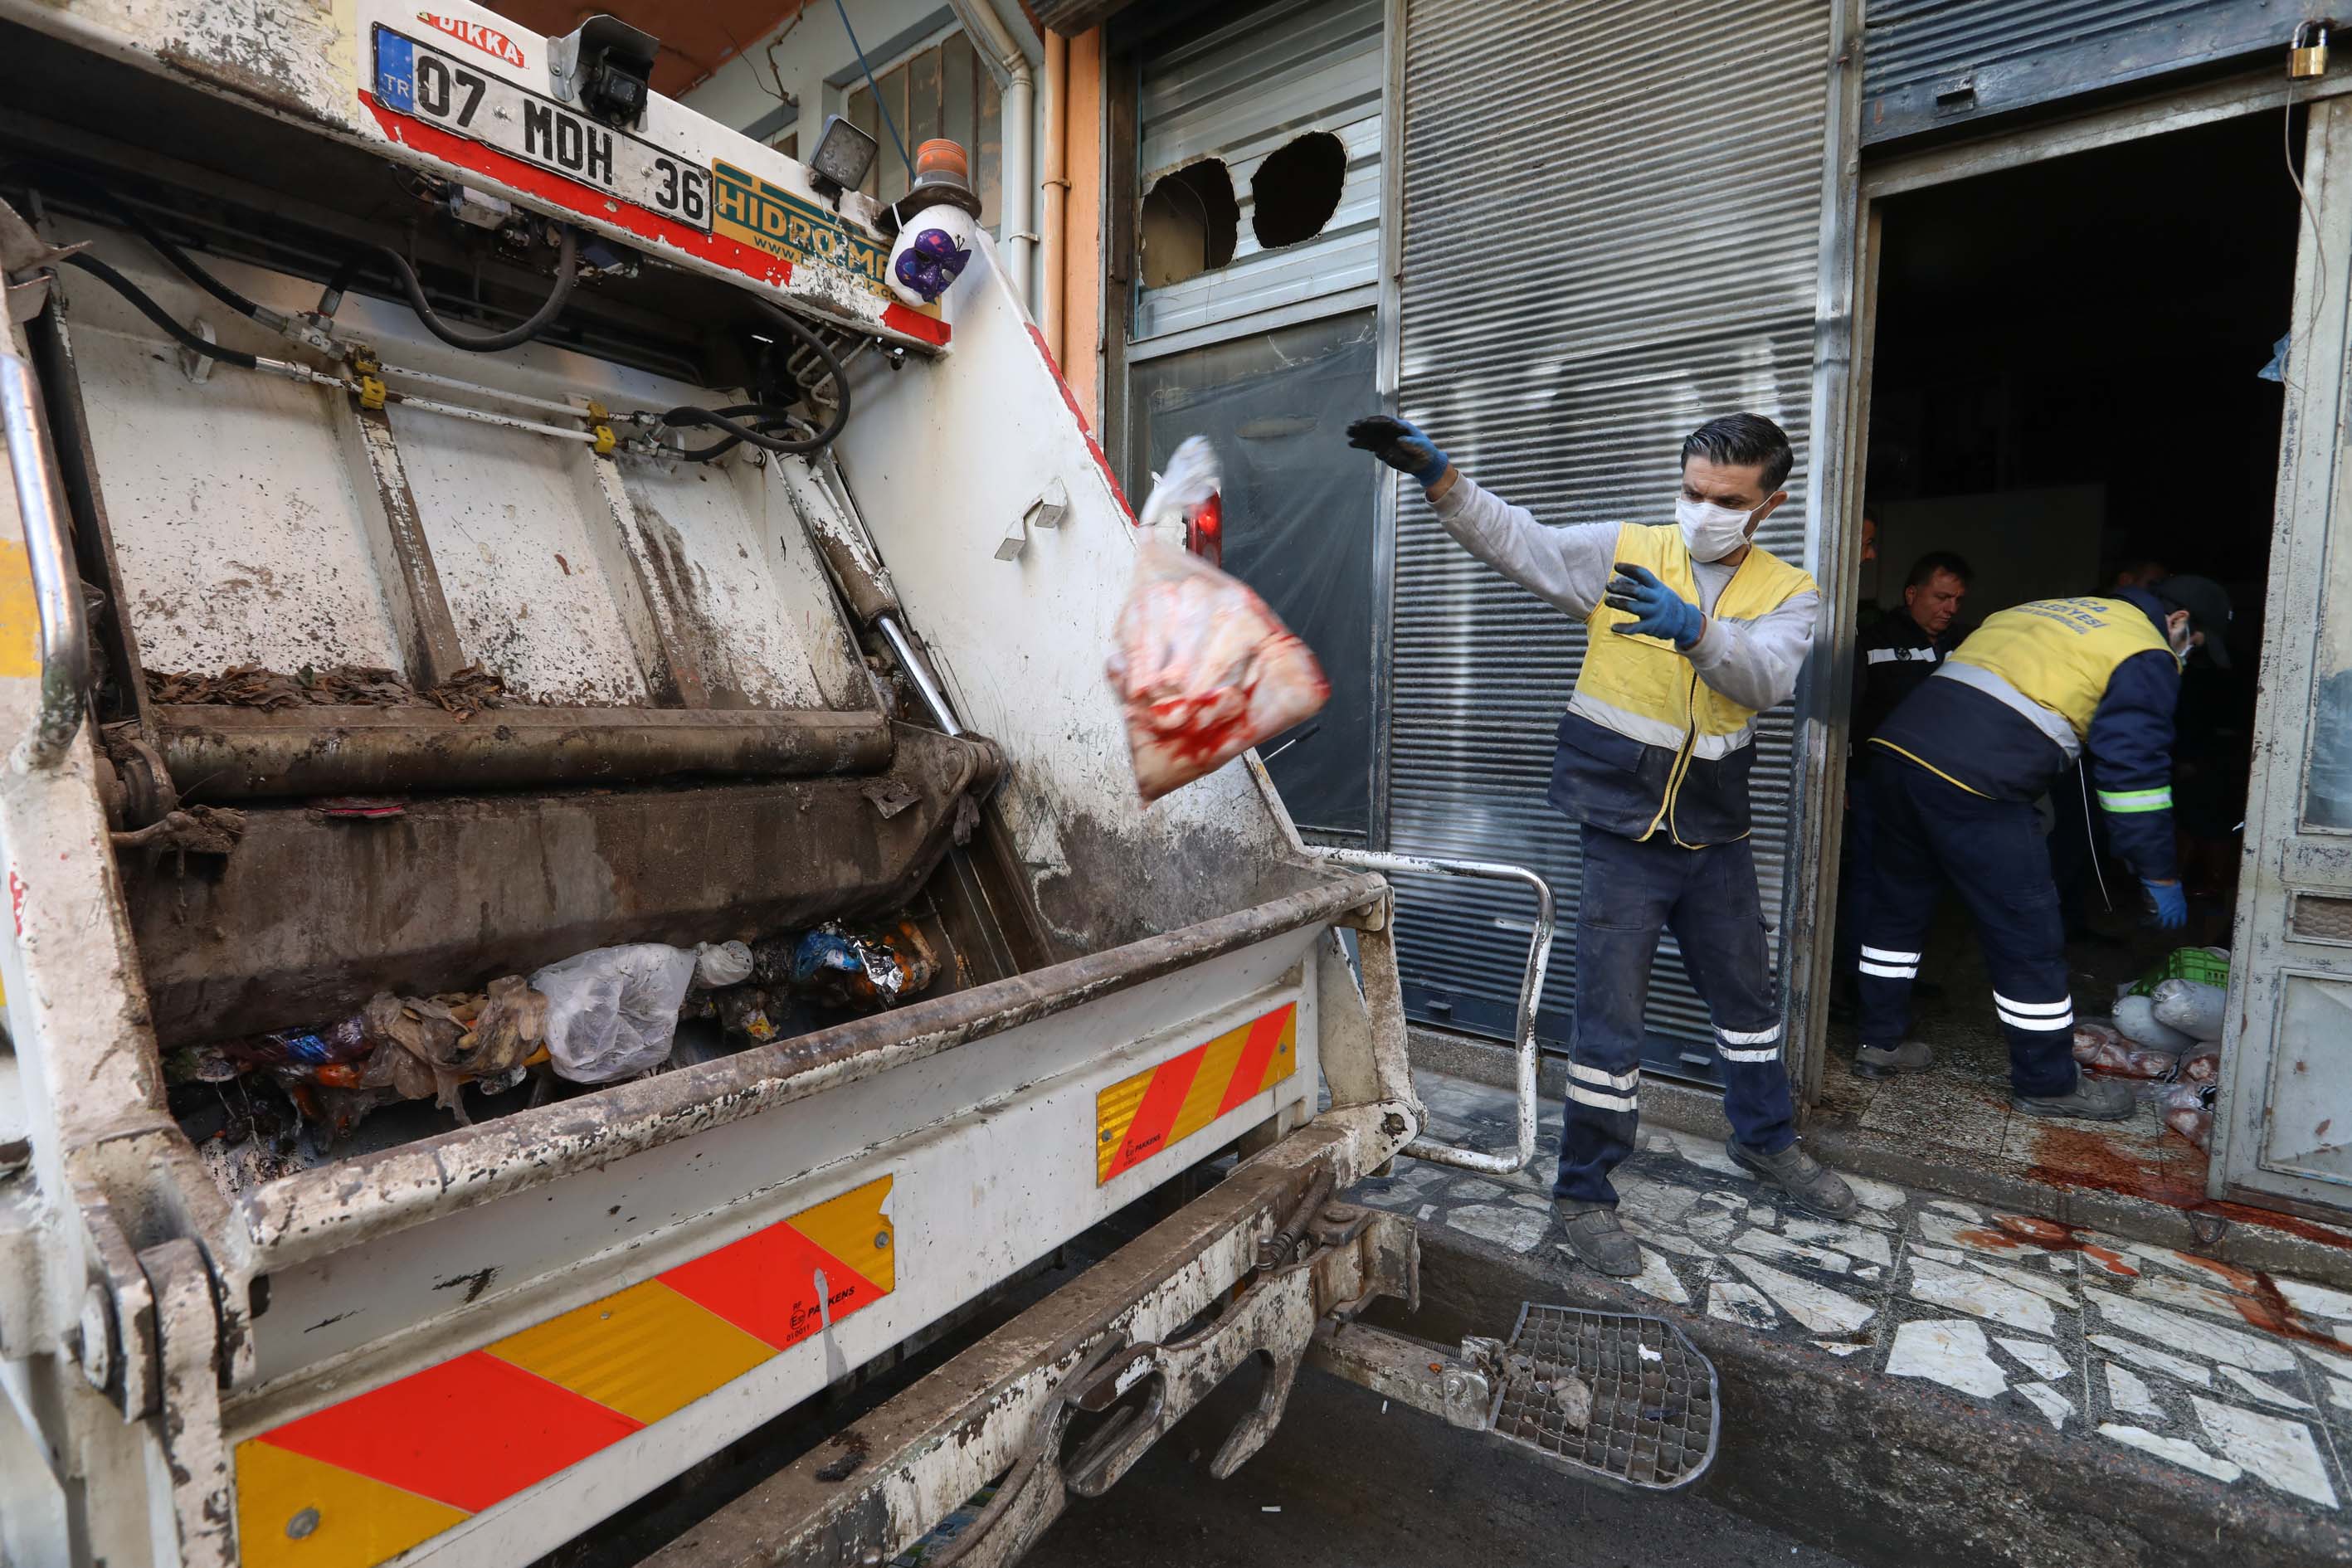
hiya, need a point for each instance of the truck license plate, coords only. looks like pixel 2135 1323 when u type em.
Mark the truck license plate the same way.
pixel 415 78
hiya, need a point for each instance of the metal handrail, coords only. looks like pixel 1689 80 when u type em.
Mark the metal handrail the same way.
pixel 57 584
pixel 1530 995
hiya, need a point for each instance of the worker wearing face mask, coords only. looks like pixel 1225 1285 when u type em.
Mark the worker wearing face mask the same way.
pixel 1693 630
pixel 1962 761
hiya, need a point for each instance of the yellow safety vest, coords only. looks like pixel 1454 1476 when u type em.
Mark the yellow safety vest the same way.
pixel 1642 687
pixel 2060 653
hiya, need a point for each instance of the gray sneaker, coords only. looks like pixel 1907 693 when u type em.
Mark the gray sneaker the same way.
pixel 1596 1238
pixel 1812 1184
pixel 2093 1099
pixel 1885 1061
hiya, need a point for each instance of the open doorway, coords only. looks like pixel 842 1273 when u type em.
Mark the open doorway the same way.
pixel 2071 378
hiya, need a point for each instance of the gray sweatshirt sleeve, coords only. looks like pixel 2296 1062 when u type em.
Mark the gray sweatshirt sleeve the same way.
pixel 1568 567
pixel 1755 663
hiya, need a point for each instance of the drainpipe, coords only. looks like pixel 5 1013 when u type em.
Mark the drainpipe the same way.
pixel 1053 271
pixel 1011 69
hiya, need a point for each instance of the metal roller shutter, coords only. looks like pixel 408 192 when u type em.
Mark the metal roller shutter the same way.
pixel 1599 253
pixel 1931 63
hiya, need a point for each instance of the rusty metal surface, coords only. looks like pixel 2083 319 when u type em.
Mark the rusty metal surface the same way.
pixel 316 1212
pixel 118 652
pixel 311 915
pixel 411 583
pixel 1121 1335
pixel 246 753
pixel 1418 1373
pixel 194 1451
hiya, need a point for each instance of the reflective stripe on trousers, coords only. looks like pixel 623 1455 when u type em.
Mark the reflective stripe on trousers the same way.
pixel 1631 892
pixel 1927 832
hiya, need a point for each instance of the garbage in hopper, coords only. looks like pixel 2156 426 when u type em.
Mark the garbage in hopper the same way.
pixel 719 964
pixel 836 967
pixel 611 1011
pixel 1203 669
pixel 267 1104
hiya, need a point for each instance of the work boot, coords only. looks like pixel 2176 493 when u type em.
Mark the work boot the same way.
pixel 1814 1185
pixel 1596 1238
pixel 1885 1061
pixel 2093 1099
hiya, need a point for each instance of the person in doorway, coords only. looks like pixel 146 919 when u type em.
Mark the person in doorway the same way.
pixel 1910 643
pixel 1693 629
pixel 1890 660
pixel 2078 842
pixel 1966 757
pixel 1866 613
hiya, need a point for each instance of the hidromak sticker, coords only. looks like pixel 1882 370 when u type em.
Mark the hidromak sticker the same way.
pixel 746 207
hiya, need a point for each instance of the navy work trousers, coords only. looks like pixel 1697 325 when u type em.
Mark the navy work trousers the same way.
pixel 1634 890
pixel 1928 831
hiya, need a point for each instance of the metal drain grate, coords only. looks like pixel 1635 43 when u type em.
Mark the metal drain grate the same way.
pixel 1655 1418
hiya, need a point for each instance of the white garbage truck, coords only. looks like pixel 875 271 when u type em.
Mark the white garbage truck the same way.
pixel 471 521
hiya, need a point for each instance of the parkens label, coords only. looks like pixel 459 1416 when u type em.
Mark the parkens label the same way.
pixel 748 208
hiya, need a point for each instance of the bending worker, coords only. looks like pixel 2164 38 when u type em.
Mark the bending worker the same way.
pixel 1964 759
pixel 1693 630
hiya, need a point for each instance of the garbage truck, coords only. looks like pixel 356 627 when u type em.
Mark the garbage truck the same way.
pixel 489 561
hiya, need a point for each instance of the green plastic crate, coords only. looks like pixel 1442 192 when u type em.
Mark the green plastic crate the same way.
pixel 2199 964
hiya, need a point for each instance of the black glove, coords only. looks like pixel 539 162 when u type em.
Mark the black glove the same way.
pixel 1400 445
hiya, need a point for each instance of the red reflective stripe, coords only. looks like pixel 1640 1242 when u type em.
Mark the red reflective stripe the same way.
pixel 733 254
pixel 766 1285
pixel 914 323
pixel 1250 1071
pixel 1149 1132
pixel 465 1433
pixel 1102 460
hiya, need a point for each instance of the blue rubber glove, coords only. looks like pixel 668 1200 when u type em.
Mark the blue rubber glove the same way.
pixel 2171 903
pixel 1657 610
pixel 1400 445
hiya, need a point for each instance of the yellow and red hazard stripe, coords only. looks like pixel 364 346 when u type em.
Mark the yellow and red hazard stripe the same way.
pixel 1163 1106
pixel 362 1480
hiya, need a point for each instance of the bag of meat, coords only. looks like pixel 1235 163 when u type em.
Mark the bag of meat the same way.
pixel 1202 666
pixel 2101 1048
pixel 2187 1109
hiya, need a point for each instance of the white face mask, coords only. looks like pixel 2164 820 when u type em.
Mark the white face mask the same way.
pixel 1710 530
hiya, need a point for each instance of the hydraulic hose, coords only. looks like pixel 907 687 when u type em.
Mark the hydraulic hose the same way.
pixel 188 265
pixel 768 417
pixel 567 273
pixel 157 314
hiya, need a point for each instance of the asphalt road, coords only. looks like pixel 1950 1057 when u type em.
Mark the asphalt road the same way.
pixel 1358 1488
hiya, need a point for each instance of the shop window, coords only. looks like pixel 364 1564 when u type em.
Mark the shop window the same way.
pixel 1191 223
pixel 1298 189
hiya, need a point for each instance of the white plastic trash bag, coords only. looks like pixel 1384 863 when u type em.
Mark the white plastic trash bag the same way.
pixel 2136 1018
pixel 719 964
pixel 2192 1007
pixel 612 1011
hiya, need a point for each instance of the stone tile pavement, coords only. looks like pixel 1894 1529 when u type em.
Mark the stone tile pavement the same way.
pixel 2242 1377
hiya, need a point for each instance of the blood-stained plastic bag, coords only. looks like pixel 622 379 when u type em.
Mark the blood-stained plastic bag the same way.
pixel 1204 669
pixel 2103 1048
